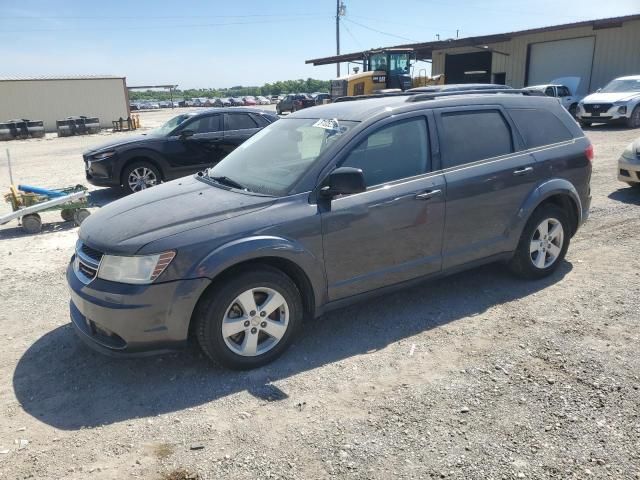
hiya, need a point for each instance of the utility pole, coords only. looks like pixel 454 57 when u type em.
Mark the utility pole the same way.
pixel 340 11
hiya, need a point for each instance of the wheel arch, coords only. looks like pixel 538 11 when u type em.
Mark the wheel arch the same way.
pixel 143 156
pixel 557 191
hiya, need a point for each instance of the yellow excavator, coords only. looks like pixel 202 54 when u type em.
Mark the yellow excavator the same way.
pixel 382 71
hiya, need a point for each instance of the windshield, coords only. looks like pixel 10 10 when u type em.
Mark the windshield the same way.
pixel 378 61
pixel 275 158
pixel 399 63
pixel 617 86
pixel 170 125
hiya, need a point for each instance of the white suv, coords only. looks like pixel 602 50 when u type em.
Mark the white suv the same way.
pixel 619 100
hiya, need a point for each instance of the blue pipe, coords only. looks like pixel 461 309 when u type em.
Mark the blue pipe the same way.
pixel 41 191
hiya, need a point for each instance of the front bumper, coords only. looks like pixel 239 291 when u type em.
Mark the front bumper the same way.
pixel 613 114
pixel 101 173
pixel 628 171
pixel 121 319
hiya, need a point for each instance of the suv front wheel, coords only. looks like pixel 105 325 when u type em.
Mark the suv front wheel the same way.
pixel 250 319
pixel 543 244
pixel 139 176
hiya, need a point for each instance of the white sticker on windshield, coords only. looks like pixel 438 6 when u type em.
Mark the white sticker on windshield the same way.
pixel 330 124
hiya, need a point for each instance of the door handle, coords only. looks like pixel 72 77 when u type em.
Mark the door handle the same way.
pixel 428 194
pixel 523 171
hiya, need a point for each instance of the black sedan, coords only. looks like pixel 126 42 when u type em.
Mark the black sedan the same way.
pixel 184 145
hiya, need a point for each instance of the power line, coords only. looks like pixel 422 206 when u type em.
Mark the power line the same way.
pixel 153 27
pixel 152 17
pixel 351 35
pixel 380 31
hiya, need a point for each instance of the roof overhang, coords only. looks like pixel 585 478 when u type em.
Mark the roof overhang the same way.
pixel 424 51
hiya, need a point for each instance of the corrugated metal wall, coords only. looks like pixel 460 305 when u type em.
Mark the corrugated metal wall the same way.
pixel 51 100
pixel 617 53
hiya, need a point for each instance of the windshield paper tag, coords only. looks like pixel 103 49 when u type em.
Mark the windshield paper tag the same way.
pixel 330 124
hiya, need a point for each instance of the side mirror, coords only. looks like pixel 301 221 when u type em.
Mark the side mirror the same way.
pixel 343 181
pixel 598 90
pixel 184 134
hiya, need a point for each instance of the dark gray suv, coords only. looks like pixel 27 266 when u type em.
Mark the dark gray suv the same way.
pixel 323 208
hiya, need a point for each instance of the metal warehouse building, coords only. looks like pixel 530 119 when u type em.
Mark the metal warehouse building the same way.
pixel 51 99
pixel 596 51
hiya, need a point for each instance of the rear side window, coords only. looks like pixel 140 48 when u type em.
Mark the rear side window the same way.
pixel 239 121
pixel 262 121
pixel 467 137
pixel 539 127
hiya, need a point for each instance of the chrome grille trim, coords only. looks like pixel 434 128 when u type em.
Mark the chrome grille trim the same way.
pixel 85 267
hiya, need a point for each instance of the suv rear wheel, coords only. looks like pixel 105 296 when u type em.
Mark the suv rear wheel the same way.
pixel 140 175
pixel 543 243
pixel 250 320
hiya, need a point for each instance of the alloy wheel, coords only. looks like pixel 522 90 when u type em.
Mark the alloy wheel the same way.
pixel 255 322
pixel 141 178
pixel 546 243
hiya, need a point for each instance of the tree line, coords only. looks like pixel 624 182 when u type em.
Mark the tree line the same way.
pixel 276 88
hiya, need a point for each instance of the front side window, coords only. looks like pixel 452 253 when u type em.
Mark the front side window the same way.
pixel 469 136
pixel 378 61
pixel 239 121
pixel 563 92
pixel 275 158
pixel 170 126
pixel 549 92
pixel 399 63
pixel 394 152
pixel 207 124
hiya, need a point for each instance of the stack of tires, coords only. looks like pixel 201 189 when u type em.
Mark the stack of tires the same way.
pixel 77 126
pixel 21 128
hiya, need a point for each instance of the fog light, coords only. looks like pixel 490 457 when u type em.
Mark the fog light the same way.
pixel 622 110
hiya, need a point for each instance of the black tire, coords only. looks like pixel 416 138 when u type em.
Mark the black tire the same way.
pixel 32 223
pixel 80 215
pixel 278 111
pixel 213 307
pixel 521 263
pixel 634 120
pixel 584 123
pixel 141 165
pixel 573 110
pixel 66 214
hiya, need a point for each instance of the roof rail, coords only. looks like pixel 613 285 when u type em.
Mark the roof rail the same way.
pixel 421 97
pixel 374 95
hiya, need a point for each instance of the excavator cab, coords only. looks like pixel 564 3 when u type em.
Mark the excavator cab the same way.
pixel 396 65
pixel 381 70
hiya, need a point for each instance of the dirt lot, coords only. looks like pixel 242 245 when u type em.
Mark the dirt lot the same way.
pixel 477 376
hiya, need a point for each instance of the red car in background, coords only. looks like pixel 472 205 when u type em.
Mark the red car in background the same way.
pixel 249 101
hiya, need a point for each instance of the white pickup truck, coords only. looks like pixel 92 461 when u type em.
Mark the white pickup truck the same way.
pixel 562 93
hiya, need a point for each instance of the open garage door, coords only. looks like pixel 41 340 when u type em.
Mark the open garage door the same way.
pixel 468 68
pixel 561 58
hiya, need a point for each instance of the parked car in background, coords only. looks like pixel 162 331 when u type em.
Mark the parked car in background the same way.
pixel 200 102
pixel 324 207
pixel 618 101
pixel 134 106
pixel 562 92
pixel 275 98
pixel 249 101
pixel 263 100
pixel 629 164
pixel 237 102
pixel 222 102
pixel 189 103
pixel 294 102
pixel 165 104
pixel 185 144
pixel 320 98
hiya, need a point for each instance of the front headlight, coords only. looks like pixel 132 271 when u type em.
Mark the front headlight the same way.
pixel 137 270
pixel 631 153
pixel 103 155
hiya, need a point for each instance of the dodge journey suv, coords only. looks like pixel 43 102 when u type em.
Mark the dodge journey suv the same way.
pixel 325 207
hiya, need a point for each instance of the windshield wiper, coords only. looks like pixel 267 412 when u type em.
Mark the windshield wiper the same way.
pixel 229 182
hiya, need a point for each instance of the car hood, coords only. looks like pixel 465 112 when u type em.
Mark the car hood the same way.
pixel 128 224
pixel 601 97
pixel 122 141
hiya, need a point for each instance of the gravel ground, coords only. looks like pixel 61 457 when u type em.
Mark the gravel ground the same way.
pixel 476 376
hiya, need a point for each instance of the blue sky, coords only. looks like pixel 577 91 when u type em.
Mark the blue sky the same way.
pixel 207 43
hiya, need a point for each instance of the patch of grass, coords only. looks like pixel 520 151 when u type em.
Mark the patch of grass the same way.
pixel 181 474
pixel 162 450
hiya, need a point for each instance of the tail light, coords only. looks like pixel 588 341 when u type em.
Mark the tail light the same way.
pixel 588 152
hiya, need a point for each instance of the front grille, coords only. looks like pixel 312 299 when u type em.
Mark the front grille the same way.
pixel 87 262
pixel 91 252
pixel 597 107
